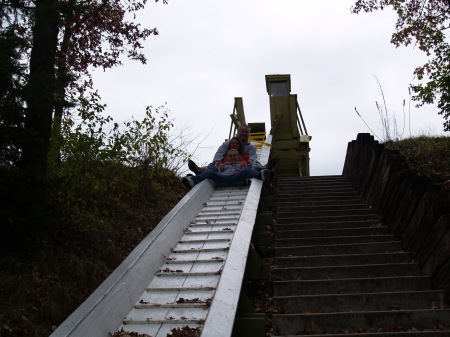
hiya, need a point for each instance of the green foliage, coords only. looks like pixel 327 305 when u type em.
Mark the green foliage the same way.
pixel 424 23
pixel 146 142
pixel 101 162
pixel 427 155
pixel 107 190
pixel 40 288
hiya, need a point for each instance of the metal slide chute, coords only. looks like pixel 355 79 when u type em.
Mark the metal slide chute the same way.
pixel 187 272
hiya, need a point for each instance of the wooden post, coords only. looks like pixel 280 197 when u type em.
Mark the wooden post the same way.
pixel 290 144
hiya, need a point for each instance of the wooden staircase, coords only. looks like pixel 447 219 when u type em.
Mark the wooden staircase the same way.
pixel 339 271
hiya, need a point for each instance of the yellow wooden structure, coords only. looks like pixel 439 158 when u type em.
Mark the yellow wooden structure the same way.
pixel 237 117
pixel 290 139
pixel 257 130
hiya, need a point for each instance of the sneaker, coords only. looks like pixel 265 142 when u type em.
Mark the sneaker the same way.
pixel 188 182
pixel 272 163
pixel 265 175
pixel 193 167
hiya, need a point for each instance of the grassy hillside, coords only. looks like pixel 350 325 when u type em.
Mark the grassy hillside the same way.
pixel 90 235
pixel 429 156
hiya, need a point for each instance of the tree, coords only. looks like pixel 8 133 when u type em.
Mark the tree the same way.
pixel 109 37
pixel 41 87
pixel 424 23
pixel 12 79
pixel 48 69
pixel 66 39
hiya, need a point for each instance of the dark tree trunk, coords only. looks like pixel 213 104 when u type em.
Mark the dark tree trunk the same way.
pixel 60 91
pixel 41 88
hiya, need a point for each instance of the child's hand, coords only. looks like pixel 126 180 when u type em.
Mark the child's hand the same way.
pixel 243 164
pixel 221 167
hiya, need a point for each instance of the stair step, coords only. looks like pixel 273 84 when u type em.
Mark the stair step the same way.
pixel 297 207
pixel 399 319
pixel 325 232
pixel 295 197
pixel 339 260
pixel 306 184
pixel 310 178
pixel 324 213
pixel 299 186
pixel 316 199
pixel 325 219
pixel 315 189
pixel 314 241
pixel 319 193
pixel 436 333
pixel 356 248
pixel 351 285
pixel 340 272
pixel 361 302
pixel 317 202
pixel 329 225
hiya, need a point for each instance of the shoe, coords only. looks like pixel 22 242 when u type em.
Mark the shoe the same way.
pixel 188 182
pixel 265 175
pixel 193 167
pixel 272 163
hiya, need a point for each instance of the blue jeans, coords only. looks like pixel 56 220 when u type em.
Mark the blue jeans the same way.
pixel 213 167
pixel 226 181
pixel 257 167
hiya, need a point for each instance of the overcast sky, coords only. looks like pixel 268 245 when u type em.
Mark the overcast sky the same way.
pixel 210 51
